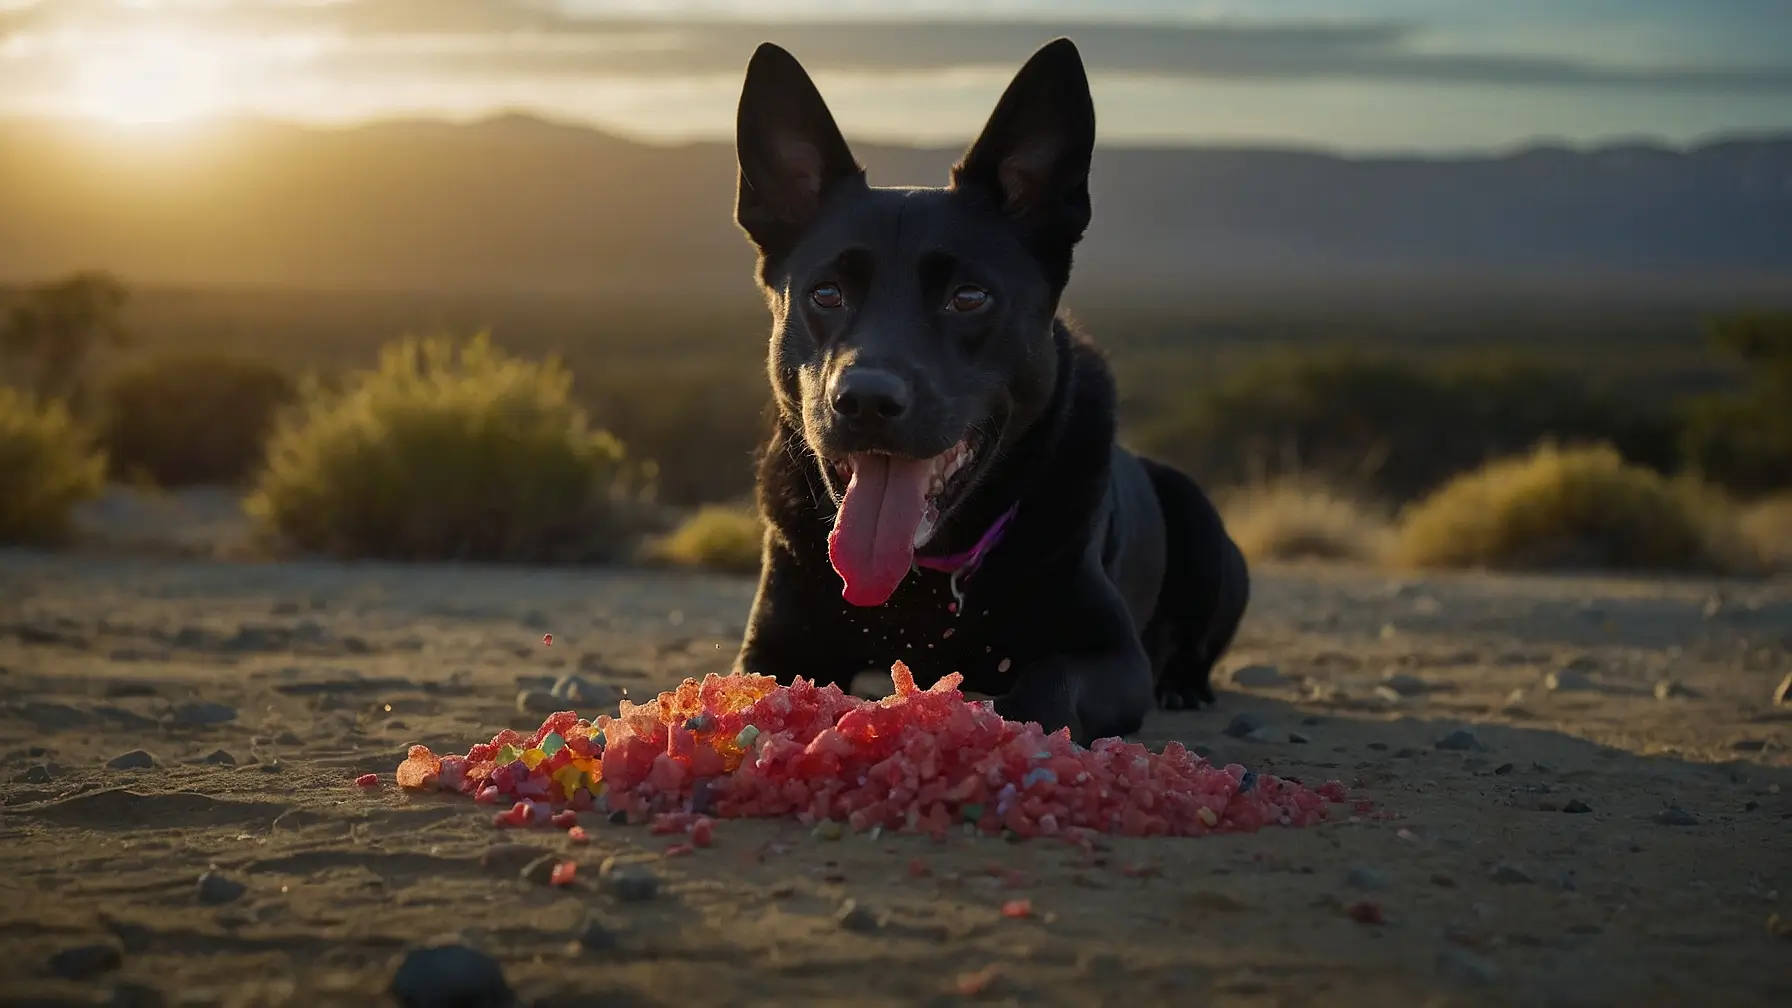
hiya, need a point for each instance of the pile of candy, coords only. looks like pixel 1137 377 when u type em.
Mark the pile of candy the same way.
pixel 918 761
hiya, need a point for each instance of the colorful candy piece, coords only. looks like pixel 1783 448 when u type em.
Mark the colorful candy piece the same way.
pixel 368 780
pixel 419 769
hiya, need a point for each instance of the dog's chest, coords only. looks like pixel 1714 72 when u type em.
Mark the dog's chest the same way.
pixel 926 628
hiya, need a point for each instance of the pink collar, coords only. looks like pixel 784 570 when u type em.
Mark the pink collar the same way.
pixel 960 565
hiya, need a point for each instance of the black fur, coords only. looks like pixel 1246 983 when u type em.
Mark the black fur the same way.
pixel 1115 586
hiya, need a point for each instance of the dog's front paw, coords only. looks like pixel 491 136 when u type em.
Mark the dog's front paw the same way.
pixel 1020 707
pixel 1185 696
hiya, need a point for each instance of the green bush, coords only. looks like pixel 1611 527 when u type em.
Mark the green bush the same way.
pixel 191 419
pixel 447 451
pixel 46 468
pixel 1570 508
pixel 716 538
pixel 1389 430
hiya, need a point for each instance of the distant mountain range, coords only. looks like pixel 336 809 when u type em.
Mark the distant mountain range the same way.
pixel 515 205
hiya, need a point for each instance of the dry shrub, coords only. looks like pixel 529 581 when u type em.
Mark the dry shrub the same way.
pixel 1572 508
pixel 189 419
pixel 447 452
pixel 46 468
pixel 1767 526
pixel 1301 520
pixel 718 538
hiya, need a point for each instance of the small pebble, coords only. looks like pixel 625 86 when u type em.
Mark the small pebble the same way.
pixel 1676 817
pixel 1503 769
pixel 1259 677
pixel 203 713
pixel 1406 685
pixel 1242 725
pixel 215 889
pixel 1577 807
pixel 541 870
pixel 1569 680
pixel 1670 689
pixel 84 962
pixel 218 757
pixel 450 976
pixel 136 759
pixel 1511 875
pixel 854 917
pixel 1460 741
pixel 595 937
pixel 1365 878
pixel 537 702
pixel 627 882
pixel 1297 738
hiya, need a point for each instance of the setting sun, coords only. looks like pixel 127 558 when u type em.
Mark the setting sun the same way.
pixel 150 79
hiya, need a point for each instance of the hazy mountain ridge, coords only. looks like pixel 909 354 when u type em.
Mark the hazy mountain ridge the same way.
pixel 516 205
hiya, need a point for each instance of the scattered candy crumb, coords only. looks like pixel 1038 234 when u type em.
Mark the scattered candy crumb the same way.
pixel 368 780
pixel 1018 908
pixel 547 640
pixel 563 873
pixel 920 761
pixel 1365 912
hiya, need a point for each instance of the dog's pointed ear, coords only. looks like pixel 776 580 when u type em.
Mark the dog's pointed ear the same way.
pixel 790 151
pixel 1032 158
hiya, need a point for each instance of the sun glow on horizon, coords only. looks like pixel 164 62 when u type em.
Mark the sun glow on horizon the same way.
pixel 150 79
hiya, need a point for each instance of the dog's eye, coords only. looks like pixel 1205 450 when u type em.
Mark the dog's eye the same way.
pixel 968 298
pixel 827 295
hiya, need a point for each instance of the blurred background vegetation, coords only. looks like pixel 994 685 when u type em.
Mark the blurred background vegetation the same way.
pixel 1322 436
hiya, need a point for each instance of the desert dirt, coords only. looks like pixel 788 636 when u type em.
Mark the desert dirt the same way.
pixel 1618 830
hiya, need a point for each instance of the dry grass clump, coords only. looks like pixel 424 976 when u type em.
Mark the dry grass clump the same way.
pixel 718 538
pixel 1303 520
pixel 1572 508
pixel 46 468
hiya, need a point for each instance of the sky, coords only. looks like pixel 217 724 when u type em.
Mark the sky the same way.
pixel 1357 76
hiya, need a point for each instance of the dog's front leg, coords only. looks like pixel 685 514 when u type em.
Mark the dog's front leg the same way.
pixel 1089 672
pixel 788 633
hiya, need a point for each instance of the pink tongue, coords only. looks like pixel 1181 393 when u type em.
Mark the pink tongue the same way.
pixel 873 542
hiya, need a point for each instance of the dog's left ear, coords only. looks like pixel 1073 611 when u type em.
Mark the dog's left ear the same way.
pixel 1032 158
pixel 791 153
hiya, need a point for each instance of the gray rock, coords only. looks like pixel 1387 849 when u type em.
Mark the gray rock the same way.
pixel 1460 741
pixel 216 889
pixel 1242 725
pixel 628 882
pixel 43 773
pixel 1297 738
pixel 1365 878
pixel 538 702
pixel 1569 680
pixel 1259 677
pixel 203 713
pixel 582 692
pixel 1675 816
pixel 1465 967
pixel 1672 689
pixel 854 917
pixel 1406 685
pixel 218 757
pixel 1511 875
pixel 136 759
pixel 84 962
pixel 1577 807
pixel 596 937
pixel 450 976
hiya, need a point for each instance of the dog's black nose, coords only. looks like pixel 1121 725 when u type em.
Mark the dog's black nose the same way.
pixel 870 397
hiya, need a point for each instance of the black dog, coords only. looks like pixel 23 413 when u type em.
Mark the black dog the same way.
pixel 942 484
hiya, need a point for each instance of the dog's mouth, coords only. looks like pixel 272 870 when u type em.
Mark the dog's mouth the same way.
pixel 891 507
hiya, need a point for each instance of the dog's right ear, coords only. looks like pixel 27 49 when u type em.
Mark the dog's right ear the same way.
pixel 791 153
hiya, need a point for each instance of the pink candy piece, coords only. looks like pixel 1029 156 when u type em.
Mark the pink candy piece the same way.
pixel 368 780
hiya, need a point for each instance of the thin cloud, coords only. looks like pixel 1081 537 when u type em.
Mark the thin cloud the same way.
pixel 515 37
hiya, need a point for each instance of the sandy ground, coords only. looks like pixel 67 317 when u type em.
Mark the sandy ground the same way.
pixel 1618 831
